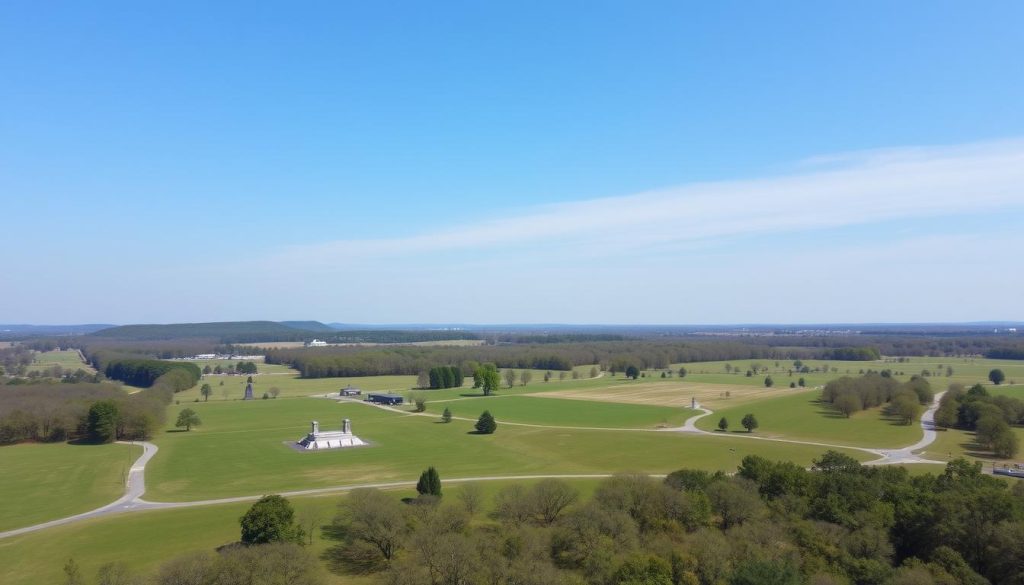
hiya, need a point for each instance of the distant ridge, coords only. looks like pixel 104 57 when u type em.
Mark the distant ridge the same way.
pixel 309 326
pixel 22 330
pixel 226 330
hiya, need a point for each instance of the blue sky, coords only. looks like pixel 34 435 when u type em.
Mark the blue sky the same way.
pixel 575 162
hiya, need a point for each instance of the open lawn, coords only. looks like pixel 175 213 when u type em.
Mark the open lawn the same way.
pixel 242 448
pixel 43 482
pixel 668 393
pixel 800 416
pixel 69 360
pixel 535 410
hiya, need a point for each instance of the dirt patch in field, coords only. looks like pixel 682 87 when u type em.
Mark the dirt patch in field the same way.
pixel 671 394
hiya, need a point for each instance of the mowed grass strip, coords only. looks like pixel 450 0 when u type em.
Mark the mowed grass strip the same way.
pixel 242 448
pixel 42 482
pixel 573 413
pixel 69 360
pixel 669 393
pixel 801 416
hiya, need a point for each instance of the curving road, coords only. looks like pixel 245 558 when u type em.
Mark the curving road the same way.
pixel 135 488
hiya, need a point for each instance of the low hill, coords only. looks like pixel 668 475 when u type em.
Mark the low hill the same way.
pixel 228 331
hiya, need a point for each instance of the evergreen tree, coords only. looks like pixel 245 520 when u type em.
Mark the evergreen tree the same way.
pixel 429 483
pixel 101 422
pixel 749 422
pixel 723 424
pixel 446 416
pixel 486 424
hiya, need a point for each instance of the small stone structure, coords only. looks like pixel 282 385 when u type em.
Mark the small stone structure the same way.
pixel 317 439
pixel 248 391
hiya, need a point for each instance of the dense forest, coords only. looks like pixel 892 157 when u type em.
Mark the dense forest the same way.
pixel 612 355
pixel 59 412
pixel 143 373
pixel 770 524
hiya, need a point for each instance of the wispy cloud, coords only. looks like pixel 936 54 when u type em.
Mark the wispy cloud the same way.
pixel 825 192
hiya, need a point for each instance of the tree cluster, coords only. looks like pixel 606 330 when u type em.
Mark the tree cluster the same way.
pixel 849 395
pixel 144 372
pixel 61 412
pixel 771 523
pixel 990 417
pixel 445 377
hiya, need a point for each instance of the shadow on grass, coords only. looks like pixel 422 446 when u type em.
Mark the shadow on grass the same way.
pixel 175 431
pixel 85 443
pixel 976 450
pixel 475 395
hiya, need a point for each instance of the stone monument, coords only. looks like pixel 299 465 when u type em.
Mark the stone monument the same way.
pixel 317 439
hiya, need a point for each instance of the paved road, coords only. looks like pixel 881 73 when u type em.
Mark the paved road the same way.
pixel 132 500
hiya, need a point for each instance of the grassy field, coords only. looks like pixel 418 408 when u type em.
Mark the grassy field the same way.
pixel 536 410
pixel 800 416
pixel 43 482
pixel 243 449
pixel 69 360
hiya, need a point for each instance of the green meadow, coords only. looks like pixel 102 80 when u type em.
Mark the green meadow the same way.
pixel 801 416
pixel 243 448
pixel 69 360
pixel 42 482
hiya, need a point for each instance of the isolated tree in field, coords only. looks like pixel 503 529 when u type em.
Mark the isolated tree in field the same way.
pixel 101 422
pixel 510 377
pixel 996 376
pixel 768 382
pixel 594 372
pixel 682 372
pixel 274 391
pixel 207 369
pixel 525 376
pixel 423 380
pixel 949 371
pixel 188 418
pixel 218 370
pixel 271 519
pixel 429 483
pixel 206 391
pixel 632 372
pixel 486 377
pixel 749 422
pixel 486 424
pixel 561 376
pixel 547 376
pixel 72 574
pixel 446 416
pixel 723 424
pixel 801 382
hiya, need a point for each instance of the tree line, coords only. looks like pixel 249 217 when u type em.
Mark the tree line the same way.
pixel 612 355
